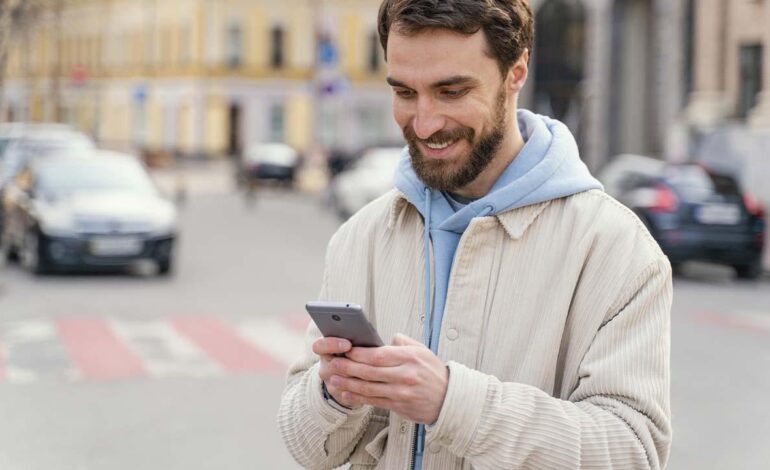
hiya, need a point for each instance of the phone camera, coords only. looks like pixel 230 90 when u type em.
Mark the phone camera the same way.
pixel 336 318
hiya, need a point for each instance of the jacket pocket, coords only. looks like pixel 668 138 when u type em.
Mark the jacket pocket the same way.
pixel 372 445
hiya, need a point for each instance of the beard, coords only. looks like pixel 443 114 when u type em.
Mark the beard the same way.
pixel 449 176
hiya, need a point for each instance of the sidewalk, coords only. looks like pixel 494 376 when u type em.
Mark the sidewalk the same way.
pixel 211 177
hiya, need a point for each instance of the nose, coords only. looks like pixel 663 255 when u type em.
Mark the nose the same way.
pixel 427 120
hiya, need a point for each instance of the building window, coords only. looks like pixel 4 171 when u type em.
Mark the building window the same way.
pixel 185 45
pixel 234 46
pixel 751 78
pixel 277 122
pixel 374 51
pixel 277 58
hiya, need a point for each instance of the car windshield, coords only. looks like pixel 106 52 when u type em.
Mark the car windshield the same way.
pixel 276 154
pixel 22 151
pixel 696 184
pixel 45 147
pixel 65 176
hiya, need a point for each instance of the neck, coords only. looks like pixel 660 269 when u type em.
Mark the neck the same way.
pixel 509 149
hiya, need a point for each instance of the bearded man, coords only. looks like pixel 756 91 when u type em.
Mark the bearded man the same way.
pixel 527 312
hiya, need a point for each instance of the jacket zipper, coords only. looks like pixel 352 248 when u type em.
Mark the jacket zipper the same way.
pixel 413 447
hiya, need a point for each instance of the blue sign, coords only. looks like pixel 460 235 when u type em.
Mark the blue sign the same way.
pixel 327 53
pixel 140 93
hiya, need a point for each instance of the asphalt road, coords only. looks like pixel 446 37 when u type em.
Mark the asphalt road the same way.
pixel 132 371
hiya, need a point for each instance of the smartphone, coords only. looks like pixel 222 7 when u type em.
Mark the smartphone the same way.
pixel 344 320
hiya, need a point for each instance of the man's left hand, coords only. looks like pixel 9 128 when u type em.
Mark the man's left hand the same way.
pixel 405 378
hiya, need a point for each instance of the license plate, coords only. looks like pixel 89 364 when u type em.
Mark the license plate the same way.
pixel 116 246
pixel 718 214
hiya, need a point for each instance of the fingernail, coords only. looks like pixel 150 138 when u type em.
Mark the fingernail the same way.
pixel 343 344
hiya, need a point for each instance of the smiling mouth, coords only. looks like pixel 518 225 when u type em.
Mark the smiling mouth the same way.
pixel 439 146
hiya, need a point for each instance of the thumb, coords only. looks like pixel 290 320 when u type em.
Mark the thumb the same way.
pixel 403 340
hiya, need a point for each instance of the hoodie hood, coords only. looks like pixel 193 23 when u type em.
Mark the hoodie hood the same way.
pixel 547 167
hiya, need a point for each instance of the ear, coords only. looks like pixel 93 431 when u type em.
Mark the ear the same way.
pixel 518 73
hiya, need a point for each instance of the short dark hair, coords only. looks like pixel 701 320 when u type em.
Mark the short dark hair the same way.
pixel 507 24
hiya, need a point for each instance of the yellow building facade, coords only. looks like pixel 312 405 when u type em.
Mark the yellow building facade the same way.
pixel 205 77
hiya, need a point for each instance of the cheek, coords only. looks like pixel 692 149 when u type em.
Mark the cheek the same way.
pixel 401 114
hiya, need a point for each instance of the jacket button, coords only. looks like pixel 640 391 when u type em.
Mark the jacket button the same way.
pixel 402 428
pixel 434 448
pixel 422 318
pixel 452 334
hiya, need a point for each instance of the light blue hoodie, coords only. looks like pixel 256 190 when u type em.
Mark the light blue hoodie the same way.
pixel 547 167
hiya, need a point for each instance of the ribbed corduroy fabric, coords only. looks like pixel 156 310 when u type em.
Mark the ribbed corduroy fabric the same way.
pixel 556 333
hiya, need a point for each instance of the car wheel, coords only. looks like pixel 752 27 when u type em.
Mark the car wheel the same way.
pixel 749 271
pixel 7 249
pixel 165 267
pixel 32 253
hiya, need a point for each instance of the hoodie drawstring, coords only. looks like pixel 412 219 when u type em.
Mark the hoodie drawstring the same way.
pixel 427 329
pixel 428 293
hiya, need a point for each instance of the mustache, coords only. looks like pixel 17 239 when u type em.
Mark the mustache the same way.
pixel 440 136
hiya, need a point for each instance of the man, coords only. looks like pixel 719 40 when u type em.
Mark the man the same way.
pixel 541 303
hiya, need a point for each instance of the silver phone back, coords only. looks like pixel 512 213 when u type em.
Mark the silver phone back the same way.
pixel 344 320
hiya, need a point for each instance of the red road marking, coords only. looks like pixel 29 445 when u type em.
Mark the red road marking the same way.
pixel 731 321
pixel 297 322
pixel 97 351
pixel 225 346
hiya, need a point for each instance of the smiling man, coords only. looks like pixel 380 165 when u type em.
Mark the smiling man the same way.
pixel 527 311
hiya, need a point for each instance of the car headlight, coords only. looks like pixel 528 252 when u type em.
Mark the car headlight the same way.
pixel 164 223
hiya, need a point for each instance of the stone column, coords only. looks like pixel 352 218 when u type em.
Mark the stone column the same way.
pixel 707 102
pixel 669 44
pixel 596 96
pixel 760 116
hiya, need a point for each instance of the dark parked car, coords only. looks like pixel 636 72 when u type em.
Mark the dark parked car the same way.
pixel 98 211
pixel 268 162
pixel 695 214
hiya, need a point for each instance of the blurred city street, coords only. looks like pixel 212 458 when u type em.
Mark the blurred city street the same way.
pixel 171 173
pixel 133 371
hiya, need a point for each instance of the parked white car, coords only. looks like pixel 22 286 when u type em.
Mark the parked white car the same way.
pixel 367 179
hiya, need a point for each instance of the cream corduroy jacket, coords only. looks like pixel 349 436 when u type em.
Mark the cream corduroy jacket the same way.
pixel 556 332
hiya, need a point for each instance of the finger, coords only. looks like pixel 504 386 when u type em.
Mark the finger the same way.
pixel 362 387
pixel 403 340
pixel 349 368
pixel 354 400
pixel 383 356
pixel 331 346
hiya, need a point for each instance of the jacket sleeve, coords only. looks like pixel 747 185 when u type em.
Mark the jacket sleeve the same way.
pixel 618 415
pixel 317 434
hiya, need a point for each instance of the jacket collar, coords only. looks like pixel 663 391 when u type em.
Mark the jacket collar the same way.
pixel 515 221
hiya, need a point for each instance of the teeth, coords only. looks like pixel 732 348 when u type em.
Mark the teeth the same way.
pixel 440 146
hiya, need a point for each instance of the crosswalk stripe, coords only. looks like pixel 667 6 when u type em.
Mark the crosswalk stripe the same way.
pixel 33 350
pixel 164 351
pixel 280 341
pixel 96 350
pixel 225 346
pixel 75 349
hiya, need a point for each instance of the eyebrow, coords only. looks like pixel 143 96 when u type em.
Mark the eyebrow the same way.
pixel 451 81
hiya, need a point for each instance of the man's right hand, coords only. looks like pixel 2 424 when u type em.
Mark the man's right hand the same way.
pixel 330 350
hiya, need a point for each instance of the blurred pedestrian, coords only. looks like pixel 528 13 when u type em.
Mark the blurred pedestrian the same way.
pixel 541 303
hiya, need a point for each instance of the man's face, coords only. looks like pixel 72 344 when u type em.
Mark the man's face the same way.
pixel 451 102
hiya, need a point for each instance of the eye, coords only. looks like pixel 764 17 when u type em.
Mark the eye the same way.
pixel 453 93
pixel 404 93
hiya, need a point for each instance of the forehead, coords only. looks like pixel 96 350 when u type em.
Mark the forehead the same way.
pixel 435 54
